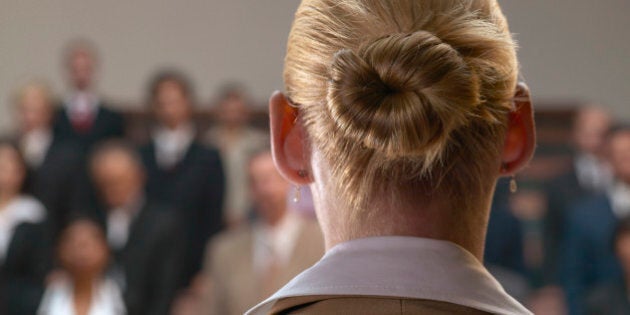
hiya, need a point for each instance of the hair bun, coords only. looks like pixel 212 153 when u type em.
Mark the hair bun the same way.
pixel 402 94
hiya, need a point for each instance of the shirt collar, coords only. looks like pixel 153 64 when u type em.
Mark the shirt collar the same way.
pixel 405 267
pixel 619 196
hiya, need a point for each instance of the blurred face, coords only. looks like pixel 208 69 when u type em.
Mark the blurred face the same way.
pixel 12 171
pixel 590 129
pixel 268 188
pixel 35 110
pixel 81 66
pixel 233 112
pixel 83 249
pixel 172 107
pixel 619 150
pixel 118 178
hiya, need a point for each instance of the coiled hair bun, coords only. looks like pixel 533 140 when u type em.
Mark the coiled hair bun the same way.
pixel 402 95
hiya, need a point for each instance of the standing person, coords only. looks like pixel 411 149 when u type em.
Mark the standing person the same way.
pixel 589 175
pixel 181 172
pixel 589 258
pixel 84 118
pixel 235 139
pixel 400 116
pixel 248 263
pixel 84 288
pixel 54 167
pixel 145 237
pixel 612 298
pixel 24 246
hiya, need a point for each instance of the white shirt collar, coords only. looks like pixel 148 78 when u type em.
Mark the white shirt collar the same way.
pixel 407 267
pixel 20 210
pixel 172 144
pixel 119 223
pixel 592 173
pixel 619 196
pixel 82 103
pixel 276 242
pixel 35 145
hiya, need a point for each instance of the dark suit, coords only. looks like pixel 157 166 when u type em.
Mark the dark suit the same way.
pixel 562 192
pixel 107 124
pixel 589 258
pixel 611 299
pixel 151 261
pixel 194 187
pixel 23 270
pixel 57 181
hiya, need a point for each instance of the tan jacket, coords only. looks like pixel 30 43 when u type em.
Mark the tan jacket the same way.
pixel 229 268
pixel 332 305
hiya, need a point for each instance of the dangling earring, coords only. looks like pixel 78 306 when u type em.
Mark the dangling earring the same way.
pixel 297 193
pixel 513 184
pixel 298 189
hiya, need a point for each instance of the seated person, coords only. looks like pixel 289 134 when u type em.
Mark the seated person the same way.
pixel 23 246
pixel 83 288
pixel 245 265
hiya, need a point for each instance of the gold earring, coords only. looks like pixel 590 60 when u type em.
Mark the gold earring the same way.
pixel 297 194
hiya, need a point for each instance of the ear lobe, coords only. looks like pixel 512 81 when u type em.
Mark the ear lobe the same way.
pixel 288 141
pixel 520 139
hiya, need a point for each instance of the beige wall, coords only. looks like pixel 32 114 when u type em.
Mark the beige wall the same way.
pixel 570 48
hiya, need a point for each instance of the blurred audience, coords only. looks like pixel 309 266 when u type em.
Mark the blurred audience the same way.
pixel 590 174
pixel 145 236
pixel 84 288
pixel 589 258
pixel 181 172
pixel 245 265
pixel 23 252
pixel 83 117
pixel 613 298
pixel 234 138
pixel 54 167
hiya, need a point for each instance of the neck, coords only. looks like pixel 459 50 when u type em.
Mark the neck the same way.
pixel 463 225
pixel 83 285
pixel 6 197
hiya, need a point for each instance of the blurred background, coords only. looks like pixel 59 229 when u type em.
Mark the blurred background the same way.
pixel 159 97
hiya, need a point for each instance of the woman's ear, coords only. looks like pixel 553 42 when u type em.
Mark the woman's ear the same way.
pixel 520 139
pixel 289 144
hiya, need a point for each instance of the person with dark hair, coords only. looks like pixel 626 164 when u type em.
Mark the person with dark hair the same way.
pixel 84 119
pixel 612 298
pixel 145 236
pixel 235 138
pixel 83 287
pixel 400 116
pixel 181 172
pixel 589 260
pixel 23 238
pixel 589 174
pixel 55 168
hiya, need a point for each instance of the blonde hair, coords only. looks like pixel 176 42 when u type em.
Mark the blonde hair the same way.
pixel 403 98
pixel 39 86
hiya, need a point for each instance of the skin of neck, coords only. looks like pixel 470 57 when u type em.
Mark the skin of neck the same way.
pixel 434 219
pixel 6 196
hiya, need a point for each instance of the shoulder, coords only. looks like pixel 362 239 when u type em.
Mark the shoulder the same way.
pixel 29 209
pixel 229 241
pixel 368 305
